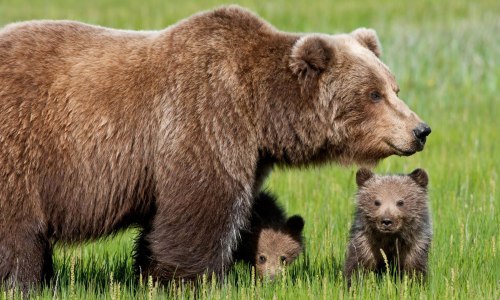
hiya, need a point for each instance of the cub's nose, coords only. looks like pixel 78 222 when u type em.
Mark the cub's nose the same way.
pixel 421 132
pixel 387 222
pixel 272 276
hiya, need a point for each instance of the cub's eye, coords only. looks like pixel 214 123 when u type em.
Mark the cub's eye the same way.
pixel 377 203
pixel 400 203
pixel 262 259
pixel 375 96
pixel 283 259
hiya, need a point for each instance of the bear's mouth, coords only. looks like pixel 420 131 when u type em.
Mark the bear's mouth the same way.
pixel 399 151
pixel 388 231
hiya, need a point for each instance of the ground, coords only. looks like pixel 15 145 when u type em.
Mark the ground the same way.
pixel 445 55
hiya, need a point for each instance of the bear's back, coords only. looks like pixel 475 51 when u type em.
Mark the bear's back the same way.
pixel 27 47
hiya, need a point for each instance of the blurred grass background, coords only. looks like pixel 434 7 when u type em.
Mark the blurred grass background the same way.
pixel 445 55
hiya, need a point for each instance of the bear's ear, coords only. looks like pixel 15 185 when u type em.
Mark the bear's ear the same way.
pixel 369 39
pixel 420 177
pixel 310 57
pixel 295 224
pixel 362 176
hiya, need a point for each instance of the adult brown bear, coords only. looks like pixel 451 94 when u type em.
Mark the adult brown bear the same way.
pixel 175 131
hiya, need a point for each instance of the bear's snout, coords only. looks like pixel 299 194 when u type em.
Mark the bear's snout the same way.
pixel 421 132
pixel 386 222
pixel 387 225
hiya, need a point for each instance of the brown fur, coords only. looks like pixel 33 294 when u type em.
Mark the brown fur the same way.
pixel 174 130
pixel 392 216
pixel 272 240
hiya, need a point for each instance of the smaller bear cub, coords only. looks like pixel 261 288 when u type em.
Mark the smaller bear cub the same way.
pixel 392 215
pixel 272 240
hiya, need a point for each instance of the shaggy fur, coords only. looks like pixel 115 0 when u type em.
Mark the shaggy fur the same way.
pixel 392 216
pixel 272 240
pixel 175 130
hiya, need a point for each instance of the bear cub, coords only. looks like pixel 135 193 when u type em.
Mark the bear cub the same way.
pixel 272 240
pixel 392 216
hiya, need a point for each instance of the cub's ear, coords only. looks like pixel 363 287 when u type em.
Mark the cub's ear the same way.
pixel 295 224
pixel 420 177
pixel 369 39
pixel 362 176
pixel 310 57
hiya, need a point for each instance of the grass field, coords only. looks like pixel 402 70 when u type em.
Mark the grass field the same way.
pixel 446 56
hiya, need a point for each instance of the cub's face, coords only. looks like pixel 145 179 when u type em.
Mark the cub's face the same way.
pixel 391 203
pixel 357 103
pixel 277 248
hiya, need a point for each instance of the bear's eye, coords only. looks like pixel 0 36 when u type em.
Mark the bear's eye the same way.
pixel 375 96
pixel 283 259
pixel 262 259
pixel 377 203
pixel 400 203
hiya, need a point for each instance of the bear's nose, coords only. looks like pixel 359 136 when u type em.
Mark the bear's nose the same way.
pixel 387 222
pixel 421 132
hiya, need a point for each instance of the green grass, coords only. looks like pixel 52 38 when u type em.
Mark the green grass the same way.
pixel 445 55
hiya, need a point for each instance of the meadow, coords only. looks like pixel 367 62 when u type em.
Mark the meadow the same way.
pixel 446 57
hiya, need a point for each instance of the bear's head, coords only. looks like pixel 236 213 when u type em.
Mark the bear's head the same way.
pixel 355 100
pixel 278 247
pixel 391 204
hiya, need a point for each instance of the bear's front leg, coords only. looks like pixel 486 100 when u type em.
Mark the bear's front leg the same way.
pixel 415 261
pixel 195 230
pixel 358 258
pixel 25 256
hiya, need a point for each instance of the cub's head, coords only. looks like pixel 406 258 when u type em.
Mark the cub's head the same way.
pixel 278 247
pixel 360 117
pixel 392 203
